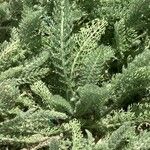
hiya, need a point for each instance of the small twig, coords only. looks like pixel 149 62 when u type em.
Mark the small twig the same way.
pixel 45 143
pixel 7 27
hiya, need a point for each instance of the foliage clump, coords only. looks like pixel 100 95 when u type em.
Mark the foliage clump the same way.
pixel 74 74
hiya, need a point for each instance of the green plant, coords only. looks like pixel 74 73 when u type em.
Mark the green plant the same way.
pixel 74 75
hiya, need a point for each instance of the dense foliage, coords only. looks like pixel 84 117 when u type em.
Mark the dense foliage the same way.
pixel 75 74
